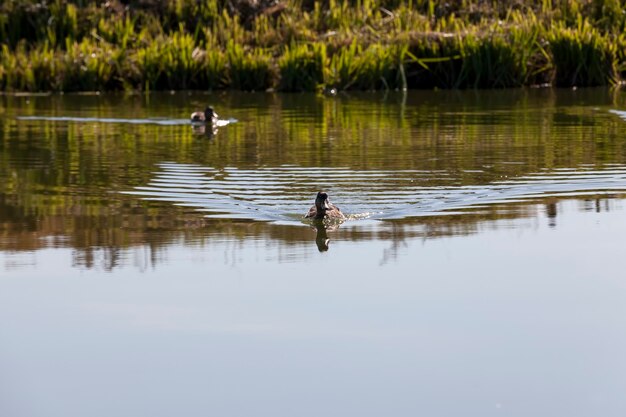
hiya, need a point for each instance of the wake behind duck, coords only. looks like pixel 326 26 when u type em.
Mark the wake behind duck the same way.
pixel 197 118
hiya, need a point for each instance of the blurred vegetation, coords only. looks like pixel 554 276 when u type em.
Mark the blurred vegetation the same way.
pixel 304 45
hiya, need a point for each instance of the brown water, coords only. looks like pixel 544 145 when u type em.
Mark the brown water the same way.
pixel 154 268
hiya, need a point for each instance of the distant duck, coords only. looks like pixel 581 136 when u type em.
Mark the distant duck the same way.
pixel 324 209
pixel 207 117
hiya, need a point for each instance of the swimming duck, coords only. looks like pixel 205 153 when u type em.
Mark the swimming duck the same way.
pixel 324 209
pixel 208 116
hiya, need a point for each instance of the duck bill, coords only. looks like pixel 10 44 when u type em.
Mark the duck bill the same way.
pixel 326 205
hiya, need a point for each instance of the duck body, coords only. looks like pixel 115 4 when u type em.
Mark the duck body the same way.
pixel 324 209
pixel 208 116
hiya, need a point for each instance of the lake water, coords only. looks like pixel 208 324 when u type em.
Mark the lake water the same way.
pixel 153 268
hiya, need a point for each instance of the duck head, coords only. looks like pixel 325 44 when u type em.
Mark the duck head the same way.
pixel 321 202
pixel 209 113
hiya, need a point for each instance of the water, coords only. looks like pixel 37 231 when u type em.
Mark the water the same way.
pixel 151 267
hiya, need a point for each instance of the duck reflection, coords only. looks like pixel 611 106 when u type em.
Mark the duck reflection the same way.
pixel 551 212
pixel 322 227
pixel 207 130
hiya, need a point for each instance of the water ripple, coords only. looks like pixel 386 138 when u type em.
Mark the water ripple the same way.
pixel 284 193
pixel 151 120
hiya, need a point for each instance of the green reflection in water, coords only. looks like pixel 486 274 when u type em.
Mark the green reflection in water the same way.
pixel 65 183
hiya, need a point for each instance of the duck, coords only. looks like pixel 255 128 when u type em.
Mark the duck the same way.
pixel 207 117
pixel 323 209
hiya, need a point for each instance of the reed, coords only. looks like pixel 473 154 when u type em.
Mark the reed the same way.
pixel 88 66
pixel 214 71
pixel 121 32
pixel 302 67
pixel 502 57
pixel 182 61
pixel 583 56
pixel 248 70
pixel 46 70
pixel 434 61
pixel 375 67
pixel 148 67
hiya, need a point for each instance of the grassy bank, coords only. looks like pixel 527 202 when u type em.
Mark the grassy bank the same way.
pixel 301 45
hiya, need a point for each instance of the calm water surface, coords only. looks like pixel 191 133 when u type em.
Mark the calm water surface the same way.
pixel 151 267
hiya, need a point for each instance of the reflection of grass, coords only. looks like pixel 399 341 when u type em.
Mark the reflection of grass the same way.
pixel 63 176
pixel 429 131
pixel 306 46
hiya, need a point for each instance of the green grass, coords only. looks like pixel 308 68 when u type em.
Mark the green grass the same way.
pixel 299 45
pixel 377 66
pixel 583 56
pixel 248 70
pixel 302 67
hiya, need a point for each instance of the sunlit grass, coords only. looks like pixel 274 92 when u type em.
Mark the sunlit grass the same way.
pixel 582 56
pixel 302 67
pixel 248 70
pixel 304 46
